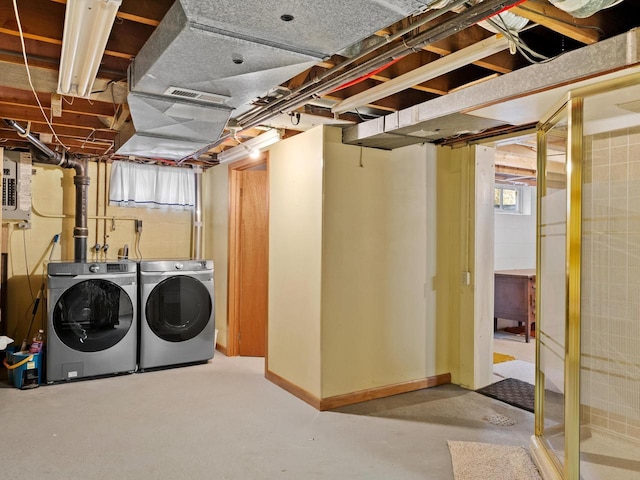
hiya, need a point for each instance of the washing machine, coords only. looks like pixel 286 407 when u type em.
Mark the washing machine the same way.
pixel 92 323
pixel 176 312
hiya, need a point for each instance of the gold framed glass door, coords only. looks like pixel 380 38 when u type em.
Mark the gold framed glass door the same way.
pixel 551 303
pixel 610 288
pixel 588 348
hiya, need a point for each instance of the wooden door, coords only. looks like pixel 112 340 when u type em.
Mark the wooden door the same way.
pixel 252 263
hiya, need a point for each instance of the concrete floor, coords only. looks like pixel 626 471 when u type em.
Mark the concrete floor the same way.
pixel 223 420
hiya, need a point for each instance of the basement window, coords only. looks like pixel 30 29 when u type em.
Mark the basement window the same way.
pixel 507 199
pixel 151 186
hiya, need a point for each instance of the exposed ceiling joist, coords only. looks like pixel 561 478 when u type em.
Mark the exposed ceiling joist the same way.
pixel 585 30
pixel 93 125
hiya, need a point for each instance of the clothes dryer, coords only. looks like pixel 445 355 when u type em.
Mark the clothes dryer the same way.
pixel 91 326
pixel 176 312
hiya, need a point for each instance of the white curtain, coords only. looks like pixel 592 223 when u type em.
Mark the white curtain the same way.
pixel 151 186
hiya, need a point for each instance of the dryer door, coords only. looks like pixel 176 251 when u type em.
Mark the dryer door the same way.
pixel 178 308
pixel 93 315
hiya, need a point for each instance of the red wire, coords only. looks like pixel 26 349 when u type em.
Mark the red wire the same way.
pixel 379 69
pixel 366 75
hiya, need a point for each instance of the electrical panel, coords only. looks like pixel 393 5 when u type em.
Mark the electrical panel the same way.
pixel 16 185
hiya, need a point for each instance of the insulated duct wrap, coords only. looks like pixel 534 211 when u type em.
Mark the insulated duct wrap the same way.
pixel 583 8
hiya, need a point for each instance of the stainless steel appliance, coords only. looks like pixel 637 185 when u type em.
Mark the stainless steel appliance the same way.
pixel 92 327
pixel 176 312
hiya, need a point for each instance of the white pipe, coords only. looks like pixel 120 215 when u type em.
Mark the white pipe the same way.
pixel 198 224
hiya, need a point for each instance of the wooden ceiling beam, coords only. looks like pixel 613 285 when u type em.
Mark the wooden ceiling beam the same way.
pixel 422 88
pixel 103 136
pixel 43 21
pixel 502 62
pixel 47 55
pixel 78 146
pixel 33 114
pixel 377 106
pixel 83 106
pixel 90 140
pixel 147 12
pixel 584 30
pixel 46 80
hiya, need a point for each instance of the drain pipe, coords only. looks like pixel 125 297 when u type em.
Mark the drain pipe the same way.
pixel 196 247
pixel 44 154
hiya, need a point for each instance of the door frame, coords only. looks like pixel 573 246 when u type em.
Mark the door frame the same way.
pixel 233 294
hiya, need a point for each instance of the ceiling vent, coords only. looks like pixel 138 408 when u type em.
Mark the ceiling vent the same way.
pixel 211 98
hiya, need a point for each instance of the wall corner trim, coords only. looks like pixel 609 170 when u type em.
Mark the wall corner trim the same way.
pixel 293 389
pixel 222 349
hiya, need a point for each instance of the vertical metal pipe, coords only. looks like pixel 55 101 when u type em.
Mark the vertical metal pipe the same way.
pixel 81 231
pixel 196 250
pixel 80 180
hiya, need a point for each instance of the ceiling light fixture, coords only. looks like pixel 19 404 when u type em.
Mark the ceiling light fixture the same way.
pixel 87 25
pixel 446 64
pixel 253 145
pixel 252 152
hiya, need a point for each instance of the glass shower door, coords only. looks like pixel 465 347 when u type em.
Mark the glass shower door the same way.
pixel 588 323
pixel 552 285
pixel 610 293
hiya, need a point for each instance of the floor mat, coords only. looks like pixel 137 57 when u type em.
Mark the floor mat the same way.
pixel 502 357
pixel 482 461
pixel 512 391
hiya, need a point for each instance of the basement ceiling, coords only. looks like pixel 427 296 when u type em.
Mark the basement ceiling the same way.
pixel 298 93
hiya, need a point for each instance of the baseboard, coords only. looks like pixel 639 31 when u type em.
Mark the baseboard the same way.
pixel 293 389
pixel 222 349
pixel 330 403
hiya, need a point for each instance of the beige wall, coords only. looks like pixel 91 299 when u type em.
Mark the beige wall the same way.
pixel 483 265
pixel 352 283
pixel 295 251
pixel 377 322
pixel 365 263
pixel 215 184
pixel 466 309
pixel 165 234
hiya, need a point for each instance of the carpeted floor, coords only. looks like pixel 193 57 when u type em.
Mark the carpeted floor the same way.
pixel 512 391
pixel 483 461
pixel 524 371
pixel 224 421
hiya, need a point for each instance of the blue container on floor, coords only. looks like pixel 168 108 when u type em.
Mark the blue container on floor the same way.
pixel 25 369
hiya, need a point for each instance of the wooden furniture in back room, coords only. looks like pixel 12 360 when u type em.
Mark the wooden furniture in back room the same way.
pixel 515 298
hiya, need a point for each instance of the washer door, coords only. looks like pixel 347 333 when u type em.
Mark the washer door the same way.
pixel 178 308
pixel 93 315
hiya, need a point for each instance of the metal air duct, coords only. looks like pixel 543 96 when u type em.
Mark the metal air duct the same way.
pixel 208 59
pixel 44 154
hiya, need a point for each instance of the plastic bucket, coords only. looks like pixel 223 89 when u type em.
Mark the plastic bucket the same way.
pixel 25 369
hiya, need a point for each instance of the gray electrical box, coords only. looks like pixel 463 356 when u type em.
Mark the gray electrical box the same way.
pixel 16 185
